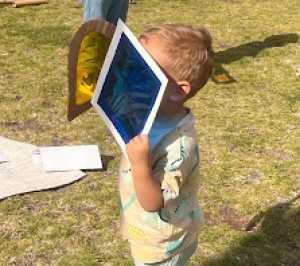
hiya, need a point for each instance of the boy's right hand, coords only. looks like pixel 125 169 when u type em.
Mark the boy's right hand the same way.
pixel 138 151
pixel 148 190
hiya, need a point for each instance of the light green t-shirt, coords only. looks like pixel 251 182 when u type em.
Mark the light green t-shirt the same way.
pixel 156 236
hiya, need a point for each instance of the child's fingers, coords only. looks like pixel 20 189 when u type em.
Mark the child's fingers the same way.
pixel 138 144
pixel 143 138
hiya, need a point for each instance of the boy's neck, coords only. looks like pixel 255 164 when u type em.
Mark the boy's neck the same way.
pixel 172 112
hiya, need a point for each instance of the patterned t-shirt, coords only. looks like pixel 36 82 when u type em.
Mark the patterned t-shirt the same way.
pixel 156 236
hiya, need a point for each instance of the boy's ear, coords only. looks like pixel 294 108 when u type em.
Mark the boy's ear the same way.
pixel 185 88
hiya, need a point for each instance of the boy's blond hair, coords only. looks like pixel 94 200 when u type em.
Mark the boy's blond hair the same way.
pixel 189 50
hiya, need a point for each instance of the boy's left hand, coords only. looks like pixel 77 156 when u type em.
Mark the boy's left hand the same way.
pixel 138 150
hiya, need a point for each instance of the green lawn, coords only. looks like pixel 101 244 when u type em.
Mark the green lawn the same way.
pixel 249 132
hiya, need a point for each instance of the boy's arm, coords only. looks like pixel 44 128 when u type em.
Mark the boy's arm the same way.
pixel 148 190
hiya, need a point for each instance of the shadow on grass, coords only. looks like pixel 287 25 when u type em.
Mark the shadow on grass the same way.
pixel 58 36
pixel 292 99
pixel 5 5
pixel 106 159
pixel 273 239
pixel 249 49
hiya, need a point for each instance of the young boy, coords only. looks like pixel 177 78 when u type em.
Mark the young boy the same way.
pixel 110 10
pixel 159 184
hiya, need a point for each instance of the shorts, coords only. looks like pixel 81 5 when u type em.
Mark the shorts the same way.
pixel 179 259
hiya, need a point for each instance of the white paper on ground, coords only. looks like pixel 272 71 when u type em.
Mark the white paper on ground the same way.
pixel 65 158
pixel 3 157
pixel 36 158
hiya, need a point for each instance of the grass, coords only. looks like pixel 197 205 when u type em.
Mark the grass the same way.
pixel 249 132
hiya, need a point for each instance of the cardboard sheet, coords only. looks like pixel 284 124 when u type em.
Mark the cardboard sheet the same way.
pixel 3 157
pixel 21 174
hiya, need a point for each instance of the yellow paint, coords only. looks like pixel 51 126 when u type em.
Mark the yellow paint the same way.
pixel 136 233
pixel 91 56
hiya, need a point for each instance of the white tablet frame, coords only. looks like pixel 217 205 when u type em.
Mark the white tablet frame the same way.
pixel 122 28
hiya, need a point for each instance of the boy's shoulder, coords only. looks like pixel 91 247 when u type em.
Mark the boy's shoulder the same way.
pixel 179 143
